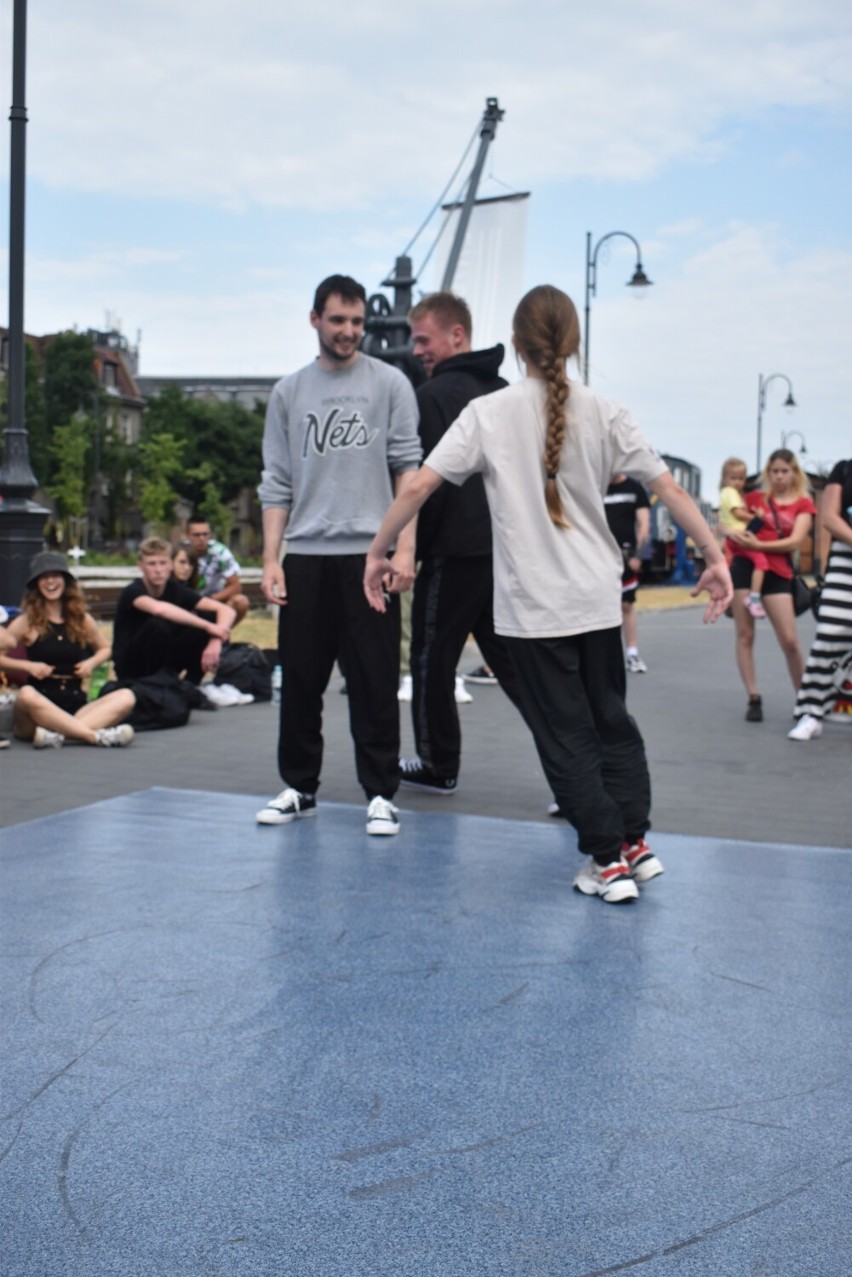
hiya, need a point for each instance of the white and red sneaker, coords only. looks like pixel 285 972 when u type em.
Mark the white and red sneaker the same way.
pixel 612 882
pixel 641 861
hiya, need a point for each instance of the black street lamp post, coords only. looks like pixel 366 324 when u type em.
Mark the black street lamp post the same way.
pixel 789 402
pixel 638 280
pixel 21 519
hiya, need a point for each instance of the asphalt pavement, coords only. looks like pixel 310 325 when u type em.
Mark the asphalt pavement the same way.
pixel 713 774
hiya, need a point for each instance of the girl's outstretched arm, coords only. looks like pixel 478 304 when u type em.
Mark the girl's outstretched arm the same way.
pixel 403 510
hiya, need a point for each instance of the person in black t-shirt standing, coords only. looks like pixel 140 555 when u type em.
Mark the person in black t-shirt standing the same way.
pixel 628 513
pixel 162 624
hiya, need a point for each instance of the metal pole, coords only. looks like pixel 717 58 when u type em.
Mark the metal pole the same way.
pixel 587 310
pixel 492 117
pixel 639 280
pixel 761 400
pixel 21 520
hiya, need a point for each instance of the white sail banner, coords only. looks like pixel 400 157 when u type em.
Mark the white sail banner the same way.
pixel 490 272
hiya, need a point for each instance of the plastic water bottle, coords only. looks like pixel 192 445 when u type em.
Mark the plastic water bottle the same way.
pixel 277 679
pixel 97 680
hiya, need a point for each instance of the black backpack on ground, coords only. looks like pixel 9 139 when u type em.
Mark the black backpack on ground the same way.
pixel 244 667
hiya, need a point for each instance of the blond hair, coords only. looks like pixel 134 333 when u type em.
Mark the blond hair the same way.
pixel 800 485
pixel 732 463
pixel 447 310
pixel 547 334
pixel 154 546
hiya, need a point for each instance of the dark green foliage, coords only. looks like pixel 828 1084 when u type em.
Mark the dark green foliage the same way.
pixel 222 445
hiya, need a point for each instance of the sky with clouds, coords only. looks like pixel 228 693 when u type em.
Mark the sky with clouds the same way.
pixel 195 168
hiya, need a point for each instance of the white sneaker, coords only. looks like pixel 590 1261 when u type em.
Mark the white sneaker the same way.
pixel 406 688
pixel 612 883
pixel 635 664
pixel 43 739
pixel 807 728
pixel 463 696
pixel 111 737
pixel 382 817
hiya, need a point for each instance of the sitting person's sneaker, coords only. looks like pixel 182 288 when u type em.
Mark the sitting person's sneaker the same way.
pixel 553 808
pixel 288 805
pixel 462 695
pixel 611 882
pixel 807 728
pixel 754 710
pixel 483 676
pixel 382 817
pixel 635 664
pixel 414 774
pixel 43 739
pixel 115 737
pixel 641 861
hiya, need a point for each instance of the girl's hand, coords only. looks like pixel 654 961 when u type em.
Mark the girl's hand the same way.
pixel 39 669
pixel 376 573
pixel 85 669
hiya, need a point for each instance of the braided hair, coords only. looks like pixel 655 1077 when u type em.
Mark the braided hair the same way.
pixel 547 334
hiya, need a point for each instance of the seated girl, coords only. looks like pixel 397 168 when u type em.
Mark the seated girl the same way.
pixel 63 645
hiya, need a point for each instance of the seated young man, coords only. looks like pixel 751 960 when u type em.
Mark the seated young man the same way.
pixel 162 624
pixel 218 570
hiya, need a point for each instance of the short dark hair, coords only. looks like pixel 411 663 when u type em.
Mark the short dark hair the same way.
pixel 447 309
pixel 347 287
pixel 197 518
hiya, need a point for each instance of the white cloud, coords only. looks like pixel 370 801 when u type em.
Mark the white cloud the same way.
pixel 234 105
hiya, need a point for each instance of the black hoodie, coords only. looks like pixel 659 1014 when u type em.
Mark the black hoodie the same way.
pixel 455 522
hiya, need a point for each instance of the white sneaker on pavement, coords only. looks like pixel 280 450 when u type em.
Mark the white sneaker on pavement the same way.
pixel 114 737
pixel 807 728
pixel 406 689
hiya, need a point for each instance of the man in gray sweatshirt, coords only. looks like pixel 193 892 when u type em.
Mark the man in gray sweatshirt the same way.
pixel 340 442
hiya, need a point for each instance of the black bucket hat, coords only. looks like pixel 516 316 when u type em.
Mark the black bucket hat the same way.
pixel 48 561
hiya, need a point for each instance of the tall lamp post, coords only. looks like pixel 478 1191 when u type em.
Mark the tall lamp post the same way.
pixel 788 434
pixel 21 520
pixel 639 280
pixel 789 402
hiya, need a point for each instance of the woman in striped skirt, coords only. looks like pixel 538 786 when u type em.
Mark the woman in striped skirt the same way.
pixel 833 640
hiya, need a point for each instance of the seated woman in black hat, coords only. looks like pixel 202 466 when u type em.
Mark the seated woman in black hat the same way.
pixel 63 645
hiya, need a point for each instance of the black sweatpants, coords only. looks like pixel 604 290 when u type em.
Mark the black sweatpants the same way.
pixel 164 645
pixel 326 617
pixel 453 597
pixel 573 690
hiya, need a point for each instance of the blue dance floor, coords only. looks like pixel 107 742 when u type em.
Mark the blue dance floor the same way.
pixel 303 1052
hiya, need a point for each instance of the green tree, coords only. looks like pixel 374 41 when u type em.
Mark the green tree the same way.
pixel 69 449
pixel 223 446
pixel 160 461
pixel 117 463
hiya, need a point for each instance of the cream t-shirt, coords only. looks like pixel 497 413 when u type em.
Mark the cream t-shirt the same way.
pixel 548 581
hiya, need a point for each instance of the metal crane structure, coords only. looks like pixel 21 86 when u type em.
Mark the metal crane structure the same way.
pixel 386 331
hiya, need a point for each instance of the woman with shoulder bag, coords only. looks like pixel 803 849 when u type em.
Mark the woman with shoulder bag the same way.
pixel 833 639
pixel 787 513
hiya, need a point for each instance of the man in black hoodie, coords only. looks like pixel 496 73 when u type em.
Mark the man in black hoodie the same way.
pixel 454 588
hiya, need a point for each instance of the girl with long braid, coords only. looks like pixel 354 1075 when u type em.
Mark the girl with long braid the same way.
pixel 547 449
